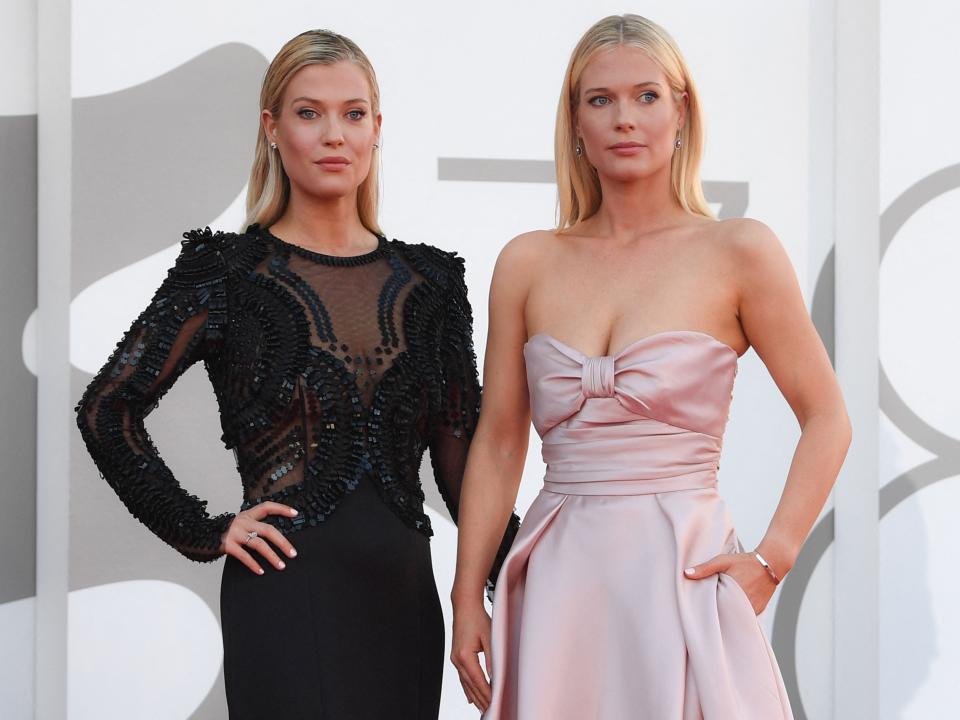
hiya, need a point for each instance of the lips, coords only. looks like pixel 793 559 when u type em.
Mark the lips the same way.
pixel 627 149
pixel 333 162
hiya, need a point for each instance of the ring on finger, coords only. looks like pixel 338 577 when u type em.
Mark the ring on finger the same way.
pixel 250 536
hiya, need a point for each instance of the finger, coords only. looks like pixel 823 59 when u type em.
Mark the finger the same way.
pixel 276 537
pixel 487 655
pixel 243 556
pixel 475 673
pixel 263 547
pixel 470 690
pixel 466 685
pixel 716 564
pixel 259 512
pixel 465 678
pixel 470 695
pixel 469 686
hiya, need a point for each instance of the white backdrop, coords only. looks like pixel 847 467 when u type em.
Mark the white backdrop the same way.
pixel 153 82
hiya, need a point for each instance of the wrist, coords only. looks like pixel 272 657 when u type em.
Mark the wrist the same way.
pixel 465 597
pixel 779 556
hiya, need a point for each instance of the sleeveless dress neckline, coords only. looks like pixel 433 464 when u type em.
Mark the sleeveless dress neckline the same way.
pixel 647 338
pixel 593 616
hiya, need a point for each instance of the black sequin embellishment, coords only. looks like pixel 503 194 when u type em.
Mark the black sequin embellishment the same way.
pixel 328 371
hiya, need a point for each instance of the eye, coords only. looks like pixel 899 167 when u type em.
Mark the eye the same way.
pixel 306 113
pixel 651 94
pixel 356 114
pixel 606 100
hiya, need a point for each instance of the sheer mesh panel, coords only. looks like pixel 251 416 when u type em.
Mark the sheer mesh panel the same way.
pixel 328 371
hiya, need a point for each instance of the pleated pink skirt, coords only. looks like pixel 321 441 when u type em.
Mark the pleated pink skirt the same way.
pixel 594 619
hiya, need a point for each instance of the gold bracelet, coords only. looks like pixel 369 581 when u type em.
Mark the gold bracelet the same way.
pixel 766 566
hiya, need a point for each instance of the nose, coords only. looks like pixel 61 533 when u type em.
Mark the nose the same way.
pixel 625 121
pixel 332 136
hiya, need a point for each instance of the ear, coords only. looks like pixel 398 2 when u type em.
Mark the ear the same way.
pixel 377 123
pixel 684 102
pixel 269 125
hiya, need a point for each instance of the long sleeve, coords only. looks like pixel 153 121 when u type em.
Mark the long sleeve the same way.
pixel 454 421
pixel 172 333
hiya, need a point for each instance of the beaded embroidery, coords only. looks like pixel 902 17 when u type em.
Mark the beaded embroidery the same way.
pixel 328 371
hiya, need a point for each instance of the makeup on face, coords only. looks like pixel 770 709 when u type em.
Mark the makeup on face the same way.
pixel 327 128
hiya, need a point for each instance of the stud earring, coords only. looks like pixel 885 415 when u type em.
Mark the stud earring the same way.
pixel 273 146
pixel 578 150
pixel 376 146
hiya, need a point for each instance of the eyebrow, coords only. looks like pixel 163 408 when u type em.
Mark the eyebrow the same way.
pixel 638 85
pixel 314 101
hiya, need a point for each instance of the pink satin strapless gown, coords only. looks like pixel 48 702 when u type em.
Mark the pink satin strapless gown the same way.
pixel 593 618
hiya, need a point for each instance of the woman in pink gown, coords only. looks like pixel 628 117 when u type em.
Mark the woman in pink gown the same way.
pixel 618 333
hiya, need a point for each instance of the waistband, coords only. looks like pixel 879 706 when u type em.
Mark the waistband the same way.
pixel 646 486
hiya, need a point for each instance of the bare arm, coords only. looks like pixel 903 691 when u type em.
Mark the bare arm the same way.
pixel 494 465
pixel 456 408
pixel 774 318
pixel 499 447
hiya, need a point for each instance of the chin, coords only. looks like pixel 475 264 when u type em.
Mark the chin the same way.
pixel 331 188
pixel 624 174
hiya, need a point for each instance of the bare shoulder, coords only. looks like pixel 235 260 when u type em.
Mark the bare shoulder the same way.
pixel 521 255
pixel 526 247
pixel 762 266
pixel 750 240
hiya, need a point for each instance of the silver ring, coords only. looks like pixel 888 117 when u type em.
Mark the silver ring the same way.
pixel 250 536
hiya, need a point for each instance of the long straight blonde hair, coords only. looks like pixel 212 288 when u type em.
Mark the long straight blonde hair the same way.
pixel 578 184
pixel 268 191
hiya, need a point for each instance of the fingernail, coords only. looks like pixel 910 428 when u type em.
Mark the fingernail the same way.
pixel 293 511
pixel 293 553
pixel 281 565
pixel 689 571
pixel 259 571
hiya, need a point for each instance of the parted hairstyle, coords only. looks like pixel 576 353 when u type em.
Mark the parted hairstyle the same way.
pixel 268 191
pixel 578 184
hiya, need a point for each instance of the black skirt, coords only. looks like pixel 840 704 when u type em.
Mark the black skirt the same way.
pixel 351 629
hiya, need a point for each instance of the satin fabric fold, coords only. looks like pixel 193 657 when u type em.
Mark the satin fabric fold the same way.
pixel 593 617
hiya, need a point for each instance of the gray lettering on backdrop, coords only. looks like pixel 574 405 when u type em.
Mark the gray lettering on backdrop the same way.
pixel 732 196
pixel 946 449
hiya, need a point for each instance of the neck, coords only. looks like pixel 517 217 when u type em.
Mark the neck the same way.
pixel 329 225
pixel 635 208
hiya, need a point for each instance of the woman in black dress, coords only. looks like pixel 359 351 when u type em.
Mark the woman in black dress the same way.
pixel 337 357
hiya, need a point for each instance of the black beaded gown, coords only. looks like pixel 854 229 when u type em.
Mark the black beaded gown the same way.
pixel 333 375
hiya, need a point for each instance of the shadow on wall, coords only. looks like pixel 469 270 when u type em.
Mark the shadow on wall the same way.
pixel 944 465
pixel 18 387
pixel 171 154
pixel 150 162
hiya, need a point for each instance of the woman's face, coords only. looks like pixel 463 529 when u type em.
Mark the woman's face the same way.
pixel 325 131
pixel 626 119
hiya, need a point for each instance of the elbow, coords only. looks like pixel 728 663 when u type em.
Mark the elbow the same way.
pixel 838 422
pixel 85 415
pixel 846 431
pixel 88 418
pixel 506 440
pixel 844 427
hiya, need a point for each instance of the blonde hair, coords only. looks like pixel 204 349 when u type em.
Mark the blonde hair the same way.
pixel 268 191
pixel 578 185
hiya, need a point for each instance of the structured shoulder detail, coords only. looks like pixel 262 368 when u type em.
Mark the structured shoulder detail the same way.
pixel 441 267
pixel 207 259
pixel 201 260
pixel 206 251
pixel 328 375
